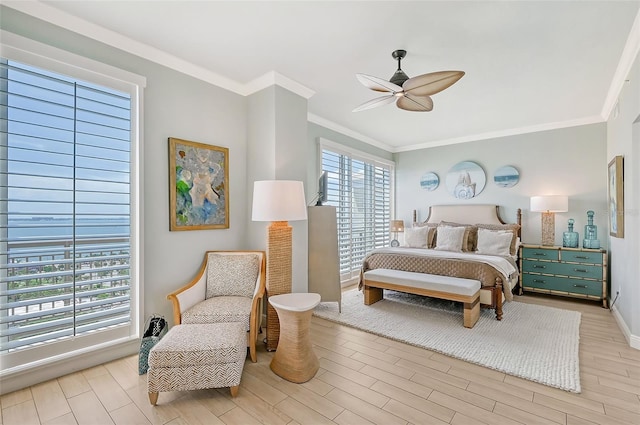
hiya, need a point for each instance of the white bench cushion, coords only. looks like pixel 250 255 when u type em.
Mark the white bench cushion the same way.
pixel 433 282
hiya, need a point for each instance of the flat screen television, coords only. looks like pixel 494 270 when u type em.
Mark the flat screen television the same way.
pixel 323 183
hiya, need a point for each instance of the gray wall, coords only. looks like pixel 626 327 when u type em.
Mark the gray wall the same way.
pixel 277 130
pixel 315 132
pixel 570 161
pixel 623 138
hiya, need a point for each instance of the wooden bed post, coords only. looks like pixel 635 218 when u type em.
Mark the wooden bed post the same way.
pixel 497 293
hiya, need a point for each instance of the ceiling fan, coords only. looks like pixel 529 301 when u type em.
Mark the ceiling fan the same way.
pixel 410 94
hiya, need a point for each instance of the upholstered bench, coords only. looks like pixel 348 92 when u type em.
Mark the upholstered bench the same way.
pixel 198 356
pixel 466 291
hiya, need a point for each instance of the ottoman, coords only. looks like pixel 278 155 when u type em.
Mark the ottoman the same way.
pixel 198 356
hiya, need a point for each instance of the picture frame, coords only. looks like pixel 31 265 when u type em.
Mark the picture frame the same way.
pixel 198 186
pixel 616 197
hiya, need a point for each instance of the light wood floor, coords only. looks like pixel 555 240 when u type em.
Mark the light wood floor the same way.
pixel 362 379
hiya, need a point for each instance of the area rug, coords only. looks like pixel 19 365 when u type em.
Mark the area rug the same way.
pixel 533 342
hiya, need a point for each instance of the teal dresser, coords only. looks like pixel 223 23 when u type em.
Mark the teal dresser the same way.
pixel 570 272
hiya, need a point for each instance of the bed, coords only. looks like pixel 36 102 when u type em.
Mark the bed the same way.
pixel 486 251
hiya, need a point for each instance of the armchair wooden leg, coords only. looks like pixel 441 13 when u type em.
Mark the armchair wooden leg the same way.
pixel 252 352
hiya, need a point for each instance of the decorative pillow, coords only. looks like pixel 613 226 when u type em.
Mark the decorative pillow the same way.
pixel 232 274
pixel 470 235
pixel 450 238
pixel 431 237
pixel 509 227
pixel 417 237
pixel 494 242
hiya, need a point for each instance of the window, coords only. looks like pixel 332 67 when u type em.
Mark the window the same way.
pixel 67 212
pixel 361 188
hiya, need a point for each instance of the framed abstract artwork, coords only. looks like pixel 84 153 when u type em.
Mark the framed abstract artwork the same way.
pixel 198 186
pixel 616 197
pixel 429 181
pixel 506 176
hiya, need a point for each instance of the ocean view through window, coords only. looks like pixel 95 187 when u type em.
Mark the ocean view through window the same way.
pixel 67 271
pixel 360 187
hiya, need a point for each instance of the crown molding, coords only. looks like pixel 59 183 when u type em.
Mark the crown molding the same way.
pixel 62 19
pixel 274 78
pixel 348 132
pixel 629 54
pixel 503 133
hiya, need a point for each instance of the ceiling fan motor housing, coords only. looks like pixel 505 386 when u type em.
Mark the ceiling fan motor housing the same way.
pixel 399 77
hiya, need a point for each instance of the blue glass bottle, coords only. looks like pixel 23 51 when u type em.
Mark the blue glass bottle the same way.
pixel 570 238
pixel 590 240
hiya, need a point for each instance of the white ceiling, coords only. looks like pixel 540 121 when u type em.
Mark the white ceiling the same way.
pixel 529 65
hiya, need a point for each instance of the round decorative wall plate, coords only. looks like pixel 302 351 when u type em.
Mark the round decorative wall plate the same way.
pixel 429 181
pixel 506 176
pixel 465 180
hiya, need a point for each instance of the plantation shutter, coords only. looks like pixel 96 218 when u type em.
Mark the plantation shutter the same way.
pixel 361 189
pixel 65 213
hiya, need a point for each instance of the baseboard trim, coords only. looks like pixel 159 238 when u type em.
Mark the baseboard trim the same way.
pixel 633 340
pixel 73 362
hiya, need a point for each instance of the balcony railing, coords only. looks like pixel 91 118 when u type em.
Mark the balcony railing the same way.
pixel 59 288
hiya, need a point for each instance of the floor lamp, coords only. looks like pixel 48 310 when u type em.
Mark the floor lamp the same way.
pixel 548 205
pixel 278 201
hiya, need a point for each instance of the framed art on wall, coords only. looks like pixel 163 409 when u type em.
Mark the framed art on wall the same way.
pixel 465 180
pixel 429 181
pixel 616 197
pixel 506 176
pixel 198 186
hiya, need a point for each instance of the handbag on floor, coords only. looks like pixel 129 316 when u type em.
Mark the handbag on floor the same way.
pixel 154 329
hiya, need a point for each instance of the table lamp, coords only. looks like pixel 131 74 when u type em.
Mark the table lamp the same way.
pixel 278 201
pixel 396 226
pixel 548 205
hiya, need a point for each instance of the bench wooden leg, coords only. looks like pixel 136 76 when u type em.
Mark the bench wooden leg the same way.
pixel 234 390
pixel 372 295
pixel 153 398
pixel 471 313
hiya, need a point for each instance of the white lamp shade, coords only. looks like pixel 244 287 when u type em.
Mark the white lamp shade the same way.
pixel 278 200
pixel 556 203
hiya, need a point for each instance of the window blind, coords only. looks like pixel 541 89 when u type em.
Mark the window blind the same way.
pixel 65 207
pixel 361 189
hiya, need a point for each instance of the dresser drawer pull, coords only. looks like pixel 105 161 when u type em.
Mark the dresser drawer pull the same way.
pixel 580 286
pixel 536 266
pixel 582 257
pixel 580 270
pixel 539 281
pixel 540 254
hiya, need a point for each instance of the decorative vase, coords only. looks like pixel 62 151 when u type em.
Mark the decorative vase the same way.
pixel 570 238
pixel 590 240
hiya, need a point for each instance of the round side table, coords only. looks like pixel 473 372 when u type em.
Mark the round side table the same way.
pixel 294 359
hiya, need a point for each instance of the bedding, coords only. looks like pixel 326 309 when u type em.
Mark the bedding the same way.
pixel 468 265
pixel 486 250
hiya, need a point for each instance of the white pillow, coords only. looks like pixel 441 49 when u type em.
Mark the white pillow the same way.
pixel 416 237
pixel 450 238
pixel 494 242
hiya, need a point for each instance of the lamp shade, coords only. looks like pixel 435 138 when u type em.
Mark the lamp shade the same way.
pixel 396 226
pixel 278 200
pixel 555 203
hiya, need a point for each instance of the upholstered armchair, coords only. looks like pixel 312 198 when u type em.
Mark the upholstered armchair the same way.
pixel 229 287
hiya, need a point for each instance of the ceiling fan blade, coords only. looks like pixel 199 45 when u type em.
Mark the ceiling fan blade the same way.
pixel 378 101
pixel 378 84
pixel 409 102
pixel 432 83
